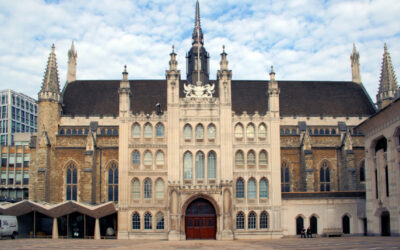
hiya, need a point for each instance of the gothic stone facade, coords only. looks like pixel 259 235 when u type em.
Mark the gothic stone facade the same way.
pixel 267 156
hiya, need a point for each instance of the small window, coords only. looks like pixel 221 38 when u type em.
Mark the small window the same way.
pixel 159 221
pixel 211 165
pixel 159 158
pixel 187 166
pixel 136 158
pixel 251 189
pixel 160 189
pixel 240 188
pixel 72 183
pixel 211 131
pixel 239 158
pixel 135 189
pixel 251 158
pixel 136 221
pixel 285 178
pixel 113 183
pixel 262 131
pixel 252 220
pixel 147 189
pixel 159 130
pixel 187 132
pixel 263 188
pixel 136 130
pixel 148 159
pixel 324 177
pixel 240 220
pixel 263 159
pixel 239 131
pixel 250 131
pixel 199 132
pixel 199 165
pixel 148 221
pixel 264 220
pixel 148 131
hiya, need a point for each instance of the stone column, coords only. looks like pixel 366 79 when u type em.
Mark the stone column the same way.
pixel 97 229
pixel 55 229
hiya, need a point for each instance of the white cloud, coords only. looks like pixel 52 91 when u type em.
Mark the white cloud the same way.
pixel 305 40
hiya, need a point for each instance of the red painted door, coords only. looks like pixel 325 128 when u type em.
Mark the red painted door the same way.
pixel 200 220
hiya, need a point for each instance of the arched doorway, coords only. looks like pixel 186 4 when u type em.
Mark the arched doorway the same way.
pixel 314 225
pixel 200 220
pixel 385 223
pixel 299 225
pixel 346 224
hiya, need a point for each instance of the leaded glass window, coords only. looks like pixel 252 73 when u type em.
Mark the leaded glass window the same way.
pixel 72 183
pixel 240 221
pixel 136 158
pixel 136 130
pixel 262 131
pixel 136 221
pixel 285 178
pixel 159 158
pixel 113 183
pixel 250 131
pixel 239 158
pixel 251 189
pixel 187 165
pixel 239 131
pixel 148 158
pixel 240 188
pixel 148 131
pixel 252 220
pixel 251 158
pixel 211 166
pixel 211 131
pixel 159 130
pixel 199 132
pixel 160 221
pixel 148 221
pixel 325 177
pixel 263 159
pixel 160 189
pixel 200 165
pixel 135 189
pixel 263 188
pixel 147 189
pixel 264 220
pixel 187 132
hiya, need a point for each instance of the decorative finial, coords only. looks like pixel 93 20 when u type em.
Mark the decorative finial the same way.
pixel 272 69
pixel 173 49
pixel 125 68
pixel 385 47
pixel 53 47
pixel 125 74
pixel 223 48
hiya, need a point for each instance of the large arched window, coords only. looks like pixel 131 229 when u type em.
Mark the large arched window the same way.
pixel 264 220
pixel 250 131
pixel 148 221
pixel 211 131
pixel 325 177
pixel 211 165
pixel 159 221
pixel 239 158
pixel 72 183
pixel 285 178
pixel 148 158
pixel 251 189
pixel 160 158
pixel 187 132
pixel 136 221
pixel 159 130
pixel 252 220
pixel 263 159
pixel 136 158
pixel 199 132
pixel 262 131
pixel 251 158
pixel 240 220
pixel 187 166
pixel 135 185
pixel 148 131
pixel 113 183
pixel 199 165
pixel 147 189
pixel 239 131
pixel 160 189
pixel 263 188
pixel 240 188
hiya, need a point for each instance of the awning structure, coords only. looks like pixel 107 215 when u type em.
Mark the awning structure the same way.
pixel 58 210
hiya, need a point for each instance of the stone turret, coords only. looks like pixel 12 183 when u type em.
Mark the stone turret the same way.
pixel 388 82
pixel 224 76
pixel 355 65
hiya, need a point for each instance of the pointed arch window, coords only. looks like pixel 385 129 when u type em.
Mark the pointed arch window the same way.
pixel 240 188
pixel 263 188
pixel 148 158
pixel 160 189
pixel 187 132
pixel 148 221
pixel 251 189
pixel 136 130
pixel 285 178
pixel 113 183
pixel 148 189
pixel 199 132
pixel 325 177
pixel 148 131
pixel 159 130
pixel 250 131
pixel 187 166
pixel 211 165
pixel 239 131
pixel 200 165
pixel 251 158
pixel 135 189
pixel 135 221
pixel 72 183
pixel 262 131
pixel 264 220
pixel 136 158
pixel 159 158
pixel 252 220
pixel 240 220
pixel 211 131
pixel 159 221
pixel 263 159
pixel 239 158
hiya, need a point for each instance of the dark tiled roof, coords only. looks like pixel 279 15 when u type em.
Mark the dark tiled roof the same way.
pixel 311 98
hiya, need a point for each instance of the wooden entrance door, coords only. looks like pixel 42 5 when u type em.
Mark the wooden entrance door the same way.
pixel 200 220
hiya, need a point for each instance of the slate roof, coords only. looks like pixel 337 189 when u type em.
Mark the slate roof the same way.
pixel 309 98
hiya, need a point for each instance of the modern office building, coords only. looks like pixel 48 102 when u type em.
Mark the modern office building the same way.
pixel 18 113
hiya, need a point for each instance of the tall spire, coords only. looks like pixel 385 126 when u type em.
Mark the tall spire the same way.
pixel 197 34
pixel 355 65
pixel 388 82
pixel 51 83
pixel 72 60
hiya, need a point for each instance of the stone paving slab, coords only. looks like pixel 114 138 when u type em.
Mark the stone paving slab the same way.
pixel 285 243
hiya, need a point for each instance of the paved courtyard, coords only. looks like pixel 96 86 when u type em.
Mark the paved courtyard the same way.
pixel 286 243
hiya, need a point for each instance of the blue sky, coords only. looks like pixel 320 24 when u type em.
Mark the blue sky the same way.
pixel 303 39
